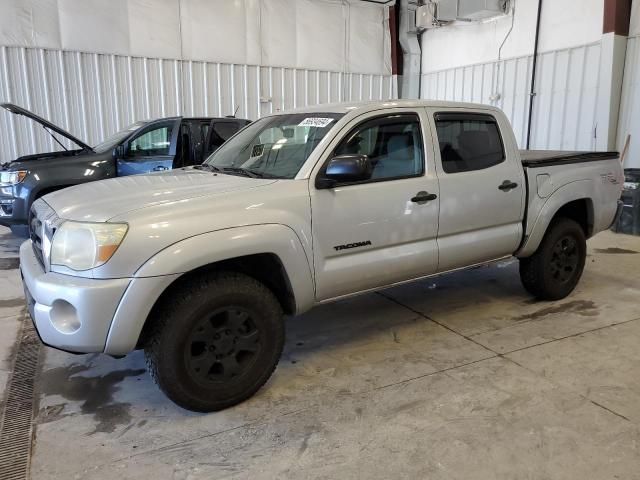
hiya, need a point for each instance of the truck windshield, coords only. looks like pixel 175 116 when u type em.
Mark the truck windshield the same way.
pixel 274 147
pixel 112 141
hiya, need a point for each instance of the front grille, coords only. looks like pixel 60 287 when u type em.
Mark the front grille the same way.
pixel 43 222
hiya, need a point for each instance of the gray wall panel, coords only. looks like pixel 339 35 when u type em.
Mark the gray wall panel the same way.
pixel 564 115
pixel 93 95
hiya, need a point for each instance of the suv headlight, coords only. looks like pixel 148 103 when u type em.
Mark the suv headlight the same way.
pixel 12 178
pixel 83 246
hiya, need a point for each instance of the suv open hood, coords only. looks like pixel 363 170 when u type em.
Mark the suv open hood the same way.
pixel 10 107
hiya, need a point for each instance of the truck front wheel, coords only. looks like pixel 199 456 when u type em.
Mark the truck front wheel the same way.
pixel 215 341
pixel 554 270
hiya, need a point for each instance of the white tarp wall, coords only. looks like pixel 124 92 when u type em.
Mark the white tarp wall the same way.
pixel 94 66
pixel 460 62
pixel 629 123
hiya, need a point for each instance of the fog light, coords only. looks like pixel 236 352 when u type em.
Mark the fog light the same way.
pixel 64 317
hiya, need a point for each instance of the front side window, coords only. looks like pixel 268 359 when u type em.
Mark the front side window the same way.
pixel 275 146
pixel 468 141
pixel 155 142
pixel 392 143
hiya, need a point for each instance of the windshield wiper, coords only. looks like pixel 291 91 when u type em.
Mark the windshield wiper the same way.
pixel 247 172
pixel 206 166
pixel 242 171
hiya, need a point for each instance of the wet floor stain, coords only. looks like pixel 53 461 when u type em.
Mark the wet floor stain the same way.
pixel 9 263
pixel 12 302
pixel 96 394
pixel 10 243
pixel 581 307
pixel 614 250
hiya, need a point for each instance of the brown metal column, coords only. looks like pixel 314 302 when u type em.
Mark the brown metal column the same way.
pixel 396 49
pixel 617 15
pixel 615 29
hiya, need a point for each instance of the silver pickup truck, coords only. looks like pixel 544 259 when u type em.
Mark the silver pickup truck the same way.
pixel 199 265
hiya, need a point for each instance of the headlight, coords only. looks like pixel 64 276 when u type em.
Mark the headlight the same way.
pixel 11 178
pixel 82 246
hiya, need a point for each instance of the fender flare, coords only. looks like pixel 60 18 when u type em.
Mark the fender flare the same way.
pixel 207 248
pixel 169 264
pixel 577 190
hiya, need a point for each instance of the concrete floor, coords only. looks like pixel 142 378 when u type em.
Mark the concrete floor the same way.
pixel 458 377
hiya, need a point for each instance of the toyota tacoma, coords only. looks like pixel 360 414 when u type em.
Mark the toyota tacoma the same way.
pixel 199 265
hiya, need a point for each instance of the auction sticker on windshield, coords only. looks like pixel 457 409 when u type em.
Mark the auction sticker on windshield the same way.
pixel 315 122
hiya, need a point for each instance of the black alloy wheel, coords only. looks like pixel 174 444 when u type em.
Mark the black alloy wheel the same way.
pixel 223 345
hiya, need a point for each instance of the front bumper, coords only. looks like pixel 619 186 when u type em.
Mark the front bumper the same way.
pixel 13 208
pixel 69 313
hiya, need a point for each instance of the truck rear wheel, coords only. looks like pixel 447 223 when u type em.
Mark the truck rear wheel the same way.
pixel 554 270
pixel 216 342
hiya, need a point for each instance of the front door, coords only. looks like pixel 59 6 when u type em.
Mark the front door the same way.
pixel 482 188
pixel 152 149
pixel 381 231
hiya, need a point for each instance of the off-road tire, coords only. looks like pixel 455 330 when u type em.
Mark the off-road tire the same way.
pixel 540 274
pixel 170 345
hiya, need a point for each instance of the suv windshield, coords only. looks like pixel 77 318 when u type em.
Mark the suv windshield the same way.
pixel 115 139
pixel 274 147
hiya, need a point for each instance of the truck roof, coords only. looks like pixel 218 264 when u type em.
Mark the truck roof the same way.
pixel 369 106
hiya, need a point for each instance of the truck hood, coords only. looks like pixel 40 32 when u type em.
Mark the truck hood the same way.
pixel 17 110
pixel 103 200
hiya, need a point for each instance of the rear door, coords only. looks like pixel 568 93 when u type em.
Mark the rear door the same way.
pixel 482 187
pixel 151 149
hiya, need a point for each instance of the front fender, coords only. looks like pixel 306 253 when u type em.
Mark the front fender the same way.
pixel 166 266
pixel 207 248
pixel 578 190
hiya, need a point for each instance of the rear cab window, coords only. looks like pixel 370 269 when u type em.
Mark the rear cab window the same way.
pixel 468 141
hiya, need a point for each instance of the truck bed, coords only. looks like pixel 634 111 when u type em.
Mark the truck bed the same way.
pixel 546 158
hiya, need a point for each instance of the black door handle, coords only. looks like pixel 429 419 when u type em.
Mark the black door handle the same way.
pixel 508 185
pixel 424 197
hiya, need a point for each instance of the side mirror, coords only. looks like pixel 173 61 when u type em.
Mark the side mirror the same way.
pixel 346 168
pixel 119 152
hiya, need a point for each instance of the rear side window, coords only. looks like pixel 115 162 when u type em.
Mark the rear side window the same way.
pixel 222 131
pixel 468 141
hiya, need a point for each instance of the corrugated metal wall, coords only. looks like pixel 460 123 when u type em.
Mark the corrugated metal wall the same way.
pixel 93 95
pixel 564 115
pixel 629 123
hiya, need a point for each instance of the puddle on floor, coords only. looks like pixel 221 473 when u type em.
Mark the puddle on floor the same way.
pixel 9 263
pixel 12 302
pixel 581 307
pixel 614 250
pixel 96 394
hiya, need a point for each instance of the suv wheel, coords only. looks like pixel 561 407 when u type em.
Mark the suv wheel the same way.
pixel 216 342
pixel 554 270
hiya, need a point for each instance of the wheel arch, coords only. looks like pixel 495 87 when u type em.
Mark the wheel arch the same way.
pixel 267 268
pixel 272 254
pixel 574 201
